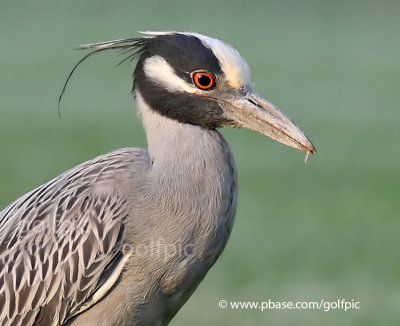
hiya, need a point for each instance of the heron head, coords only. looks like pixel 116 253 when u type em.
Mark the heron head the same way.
pixel 202 81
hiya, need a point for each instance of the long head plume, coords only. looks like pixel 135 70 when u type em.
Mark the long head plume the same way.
pixel 132 48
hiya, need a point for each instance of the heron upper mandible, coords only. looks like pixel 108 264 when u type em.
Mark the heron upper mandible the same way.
pixel 125 238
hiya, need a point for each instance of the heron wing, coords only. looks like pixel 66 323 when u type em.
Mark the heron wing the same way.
pixel 61 244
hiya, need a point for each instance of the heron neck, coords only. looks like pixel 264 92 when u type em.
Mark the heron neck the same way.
pixel 178 146
pixel 191 181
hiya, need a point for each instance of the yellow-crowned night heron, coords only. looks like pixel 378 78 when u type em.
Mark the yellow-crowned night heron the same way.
pixel 124 239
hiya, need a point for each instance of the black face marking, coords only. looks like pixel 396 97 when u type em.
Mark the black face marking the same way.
pixel 185 54
pixel 183 107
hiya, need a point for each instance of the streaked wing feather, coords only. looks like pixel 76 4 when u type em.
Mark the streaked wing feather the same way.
pixel 58 242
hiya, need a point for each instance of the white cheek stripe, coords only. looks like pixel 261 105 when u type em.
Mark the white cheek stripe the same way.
pixel 161 72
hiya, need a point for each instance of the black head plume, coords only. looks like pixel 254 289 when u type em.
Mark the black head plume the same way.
pixel 131 47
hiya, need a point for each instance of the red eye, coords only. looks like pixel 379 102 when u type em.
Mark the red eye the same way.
pixel 203 80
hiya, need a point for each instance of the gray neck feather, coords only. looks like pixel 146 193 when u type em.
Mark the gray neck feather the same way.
pixel 195 170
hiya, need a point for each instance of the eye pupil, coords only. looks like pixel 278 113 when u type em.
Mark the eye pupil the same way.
pixel 203 80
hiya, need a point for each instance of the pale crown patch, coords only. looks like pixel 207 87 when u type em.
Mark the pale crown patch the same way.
pixel 235 68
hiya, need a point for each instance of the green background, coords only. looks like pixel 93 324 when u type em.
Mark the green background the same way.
pixel 325 230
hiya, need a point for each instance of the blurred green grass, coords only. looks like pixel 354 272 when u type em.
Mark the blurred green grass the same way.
pixel 328 229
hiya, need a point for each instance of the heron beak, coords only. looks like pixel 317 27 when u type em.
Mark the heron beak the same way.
pixel 251 111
